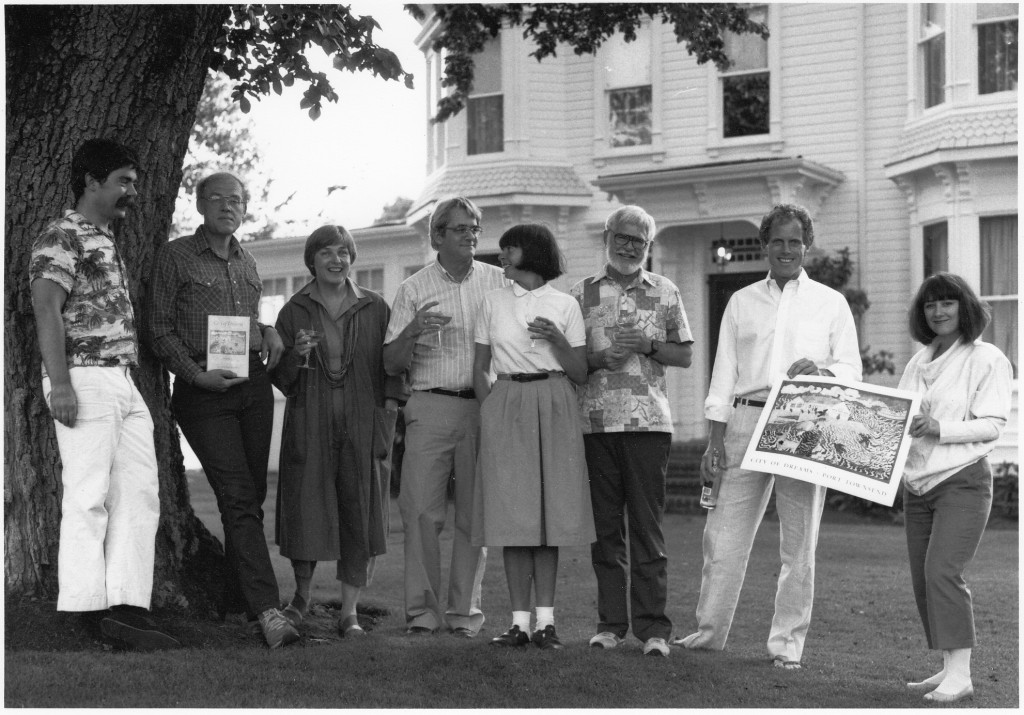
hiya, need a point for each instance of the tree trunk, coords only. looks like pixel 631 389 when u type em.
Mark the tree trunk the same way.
pixel 133 73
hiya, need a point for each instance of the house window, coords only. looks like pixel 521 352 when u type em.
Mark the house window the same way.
pixel 485 111
pixel 998 240
pixel 746 85
pixel 932 48
pixel 936 248
pixel 628 89
pixel 997 47
pixel 372 278
pixel 275 286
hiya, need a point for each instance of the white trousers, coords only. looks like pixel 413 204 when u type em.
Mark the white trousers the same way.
pixel 111 506
pixel 729 535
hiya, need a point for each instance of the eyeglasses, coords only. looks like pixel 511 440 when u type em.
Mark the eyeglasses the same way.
pixel 465 230
pixel 622 240
pixel 235 202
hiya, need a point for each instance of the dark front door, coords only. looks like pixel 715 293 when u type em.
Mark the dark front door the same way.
pixel 721 286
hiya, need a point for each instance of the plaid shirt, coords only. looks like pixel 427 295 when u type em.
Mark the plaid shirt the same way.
pixel 191 282
pixel 633 398
pixel 99 323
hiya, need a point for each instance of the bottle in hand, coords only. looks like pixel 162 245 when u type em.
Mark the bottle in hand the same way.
pixel 709 494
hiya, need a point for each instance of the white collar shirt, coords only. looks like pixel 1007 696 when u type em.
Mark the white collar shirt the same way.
pixel 765 330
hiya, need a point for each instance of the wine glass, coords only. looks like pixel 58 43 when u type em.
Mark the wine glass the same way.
pixel 314 336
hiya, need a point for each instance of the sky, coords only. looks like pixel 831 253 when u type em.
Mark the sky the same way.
pixel 372 140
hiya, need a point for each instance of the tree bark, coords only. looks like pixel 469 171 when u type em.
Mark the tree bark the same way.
pixel 133 73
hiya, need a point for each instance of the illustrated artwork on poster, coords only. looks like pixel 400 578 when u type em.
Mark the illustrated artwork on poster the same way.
pixel 848 436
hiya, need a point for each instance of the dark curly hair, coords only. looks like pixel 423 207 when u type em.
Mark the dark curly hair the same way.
pixel 97 158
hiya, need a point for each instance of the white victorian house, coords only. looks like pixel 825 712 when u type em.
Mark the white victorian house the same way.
pixel 895 125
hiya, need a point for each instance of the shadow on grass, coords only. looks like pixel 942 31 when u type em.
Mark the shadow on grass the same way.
pixel 865 641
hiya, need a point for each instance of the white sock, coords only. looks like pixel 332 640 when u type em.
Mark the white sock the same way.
pixel 958 672
pixel 521 619
pixel 545 617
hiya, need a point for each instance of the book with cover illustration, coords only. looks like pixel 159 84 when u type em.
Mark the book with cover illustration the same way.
pixel 227 344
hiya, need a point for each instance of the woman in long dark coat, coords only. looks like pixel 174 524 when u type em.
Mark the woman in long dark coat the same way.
pixel 332 496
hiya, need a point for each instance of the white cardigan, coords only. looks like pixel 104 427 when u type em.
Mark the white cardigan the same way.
pixel 968 391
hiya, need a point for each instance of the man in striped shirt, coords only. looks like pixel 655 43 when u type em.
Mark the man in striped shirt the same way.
pixel 431 336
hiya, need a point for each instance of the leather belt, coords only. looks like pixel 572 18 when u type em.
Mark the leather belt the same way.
pixel 528 376
pixel 468 394
pixel 745 401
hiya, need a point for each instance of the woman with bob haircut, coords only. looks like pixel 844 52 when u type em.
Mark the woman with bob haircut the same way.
pixel 533 493
pixel 966 390
pixel 339 423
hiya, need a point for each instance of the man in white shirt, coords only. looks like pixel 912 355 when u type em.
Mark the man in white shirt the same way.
pixel 784 326
pixel 430 335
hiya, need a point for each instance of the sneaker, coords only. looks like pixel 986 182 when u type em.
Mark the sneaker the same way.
pixel 605 639
pixel 136 631
pixel 276 628
pixel 512 638
pixel 656 646
pixel 547 639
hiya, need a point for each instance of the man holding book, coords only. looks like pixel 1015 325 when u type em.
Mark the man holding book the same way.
pixel 226 417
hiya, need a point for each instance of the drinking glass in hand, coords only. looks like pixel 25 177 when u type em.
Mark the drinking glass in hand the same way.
pixel 314 338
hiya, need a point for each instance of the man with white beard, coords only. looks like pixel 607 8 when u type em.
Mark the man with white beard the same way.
pixel 636 327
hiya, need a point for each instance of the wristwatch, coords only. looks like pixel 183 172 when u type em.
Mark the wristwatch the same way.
pixel 654 349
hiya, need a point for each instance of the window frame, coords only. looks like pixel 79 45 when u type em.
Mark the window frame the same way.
pixel 993 298
pixel 371 270
pixel 603 150
pixel 923 42
pixel 773 141
pixel 976 35
pixel 469 123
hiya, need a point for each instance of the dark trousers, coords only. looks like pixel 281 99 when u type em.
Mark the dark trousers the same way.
pixel 627 486
pixel 230 434
pixel 944 527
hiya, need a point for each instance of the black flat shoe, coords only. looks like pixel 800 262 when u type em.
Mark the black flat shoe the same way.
pixel 547 639
pixel 512 638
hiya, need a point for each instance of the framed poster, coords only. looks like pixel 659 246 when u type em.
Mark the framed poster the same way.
pixel 848 436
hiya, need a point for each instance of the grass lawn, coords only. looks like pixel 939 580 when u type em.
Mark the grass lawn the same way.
pixel 865 641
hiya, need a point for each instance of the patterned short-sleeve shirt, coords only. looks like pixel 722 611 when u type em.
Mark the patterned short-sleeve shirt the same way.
pixel 633 398
pixel 99 322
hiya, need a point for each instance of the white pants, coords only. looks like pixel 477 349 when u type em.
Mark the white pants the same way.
pixel 111 506
pixel 729 535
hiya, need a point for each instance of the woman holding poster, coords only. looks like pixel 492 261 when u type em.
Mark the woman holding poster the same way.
pixel 966 388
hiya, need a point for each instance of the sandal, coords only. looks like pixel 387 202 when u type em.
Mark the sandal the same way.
pixel 349 627
pixel 780 661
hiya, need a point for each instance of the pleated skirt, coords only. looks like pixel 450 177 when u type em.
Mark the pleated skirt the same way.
pixel 532 487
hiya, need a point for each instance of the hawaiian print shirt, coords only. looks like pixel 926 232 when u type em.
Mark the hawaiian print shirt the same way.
pixel 633 398
pixel 99 322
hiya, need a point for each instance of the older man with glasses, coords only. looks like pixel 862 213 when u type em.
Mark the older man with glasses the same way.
pixel 226 419
pixel 636 327
pixel 430 336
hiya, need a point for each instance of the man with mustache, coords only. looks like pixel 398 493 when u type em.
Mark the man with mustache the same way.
pixel 431 336
pixel 226 419
pixel 88 342
pixel 636 327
